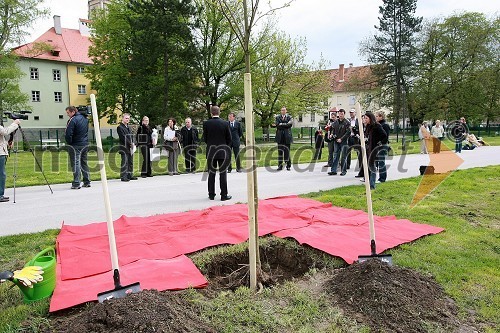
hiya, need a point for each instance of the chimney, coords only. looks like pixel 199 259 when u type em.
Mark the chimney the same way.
pixel 341 73
pixel 84 27
pixel 57 24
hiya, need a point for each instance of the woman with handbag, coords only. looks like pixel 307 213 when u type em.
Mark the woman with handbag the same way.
pixel 171 137
pixel 145 143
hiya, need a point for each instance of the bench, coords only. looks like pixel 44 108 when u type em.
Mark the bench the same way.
pixel 51 143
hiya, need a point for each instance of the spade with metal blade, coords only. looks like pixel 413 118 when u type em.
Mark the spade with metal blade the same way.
pixel 119 291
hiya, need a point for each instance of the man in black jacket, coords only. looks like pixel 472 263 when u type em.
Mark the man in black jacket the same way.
pixel 340 132
pixel 217 136
pixel 284 138
pixel 380 162
pixel 125 150
pixel 190 140
pixel 236 134
pixel 76 135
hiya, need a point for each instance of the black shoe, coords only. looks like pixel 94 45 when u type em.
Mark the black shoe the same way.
pixel 226 197
pixel 211 197
pixel 75 187
pixel 86 185
pixel 332 173
pixel 327 166
pixel 149 176
pixel 381 181
pixel 125 180
pixel 288 168
pixel 133 178
pixel 239 170
pixel 358 176
pixel 229 170
pixel 343 173
pixel 4 199
pixel 144 176
pixel 279 168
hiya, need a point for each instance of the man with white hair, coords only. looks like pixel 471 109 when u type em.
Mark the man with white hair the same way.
pixel 190 141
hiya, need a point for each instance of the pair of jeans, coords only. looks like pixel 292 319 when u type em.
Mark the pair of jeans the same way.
pixel 339 153
pixel 78 159
pixel 380 163
pixel 3 175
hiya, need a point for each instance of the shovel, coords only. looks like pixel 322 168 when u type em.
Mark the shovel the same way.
pixel 387 258
pixel 119 291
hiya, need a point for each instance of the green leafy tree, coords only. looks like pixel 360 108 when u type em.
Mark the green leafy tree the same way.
pixel 393 50
pixel 110 52
pixel 281 78
pixel 163 57
pixel 221 55
pixel 458 68
pixel 15 17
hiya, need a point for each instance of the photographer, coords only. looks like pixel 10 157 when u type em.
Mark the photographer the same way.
pixel 4 132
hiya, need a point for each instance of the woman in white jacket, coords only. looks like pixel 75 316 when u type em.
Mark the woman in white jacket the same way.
pixel 171 137
pixel 437 132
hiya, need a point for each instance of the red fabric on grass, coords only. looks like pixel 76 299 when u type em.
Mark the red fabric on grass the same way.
pixel 147 242
pixel 171 274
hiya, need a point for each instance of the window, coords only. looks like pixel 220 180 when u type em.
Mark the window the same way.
pixel 82 89
pixel 57 96
pixel 352 100
pixel 80 70
pixel 61 116
pixel 37 117
pixel 56 74
pixel 300 118
pixel 33 73
pixel 35 96
pixel 313 117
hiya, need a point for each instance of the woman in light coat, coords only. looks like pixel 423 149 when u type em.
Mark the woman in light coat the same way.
pixel 424 136
pixel 437 132
pixel 171 136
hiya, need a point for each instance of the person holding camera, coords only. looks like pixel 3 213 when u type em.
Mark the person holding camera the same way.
pixel 76 135
pixel 340 132
pixel 4 152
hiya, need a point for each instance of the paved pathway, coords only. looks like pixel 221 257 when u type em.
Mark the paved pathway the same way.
pixel 36 209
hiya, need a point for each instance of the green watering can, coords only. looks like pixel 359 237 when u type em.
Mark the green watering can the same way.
pixel 46 259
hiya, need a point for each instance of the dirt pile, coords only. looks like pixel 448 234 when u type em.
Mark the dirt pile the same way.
pixel 147 311
pixel 391 298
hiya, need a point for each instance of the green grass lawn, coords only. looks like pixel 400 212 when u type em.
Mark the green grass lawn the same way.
pixel 464 260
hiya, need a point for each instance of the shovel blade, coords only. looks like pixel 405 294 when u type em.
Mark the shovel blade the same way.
pixel 387 258
pixel 119 292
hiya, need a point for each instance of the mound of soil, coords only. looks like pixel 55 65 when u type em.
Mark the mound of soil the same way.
pixel 147 311
pixel 391 298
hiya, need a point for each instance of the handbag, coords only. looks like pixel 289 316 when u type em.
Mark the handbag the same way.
pixel 155 154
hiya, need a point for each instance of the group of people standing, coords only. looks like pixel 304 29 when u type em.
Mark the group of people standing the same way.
pixel 342 137
pixel 222 138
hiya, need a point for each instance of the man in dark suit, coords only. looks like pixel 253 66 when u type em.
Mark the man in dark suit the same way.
pixel 284 139
pixel 125 150
pixel 217 136
pixel 236 134
pixel 190 141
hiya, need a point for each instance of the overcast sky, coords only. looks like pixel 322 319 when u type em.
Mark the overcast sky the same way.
pixel 333 28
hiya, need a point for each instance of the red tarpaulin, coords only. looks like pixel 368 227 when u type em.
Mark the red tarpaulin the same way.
pixel 145 244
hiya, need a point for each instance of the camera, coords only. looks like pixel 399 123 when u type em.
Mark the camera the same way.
pixel 21 115
pixel 84 110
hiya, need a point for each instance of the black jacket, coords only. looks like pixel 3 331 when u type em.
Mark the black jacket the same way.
pixel 77 130
pixel 376 137
pixel 236 133
pixel 386 129
pixel 283 129
pixel 217 136
pixel 341 129
pixel 126 138
pixel 190 138
pixel 143 136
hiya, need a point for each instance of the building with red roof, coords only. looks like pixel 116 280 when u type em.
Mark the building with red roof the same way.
pixel 54 65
